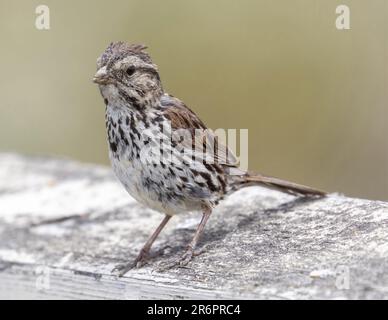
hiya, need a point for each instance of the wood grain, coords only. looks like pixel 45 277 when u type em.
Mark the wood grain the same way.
pixel 64 225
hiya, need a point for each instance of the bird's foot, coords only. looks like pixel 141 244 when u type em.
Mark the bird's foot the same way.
pixel 140 261
pixel 183 261
pixel 186 258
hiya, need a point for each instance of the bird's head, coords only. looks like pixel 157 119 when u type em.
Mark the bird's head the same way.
pixel 126 75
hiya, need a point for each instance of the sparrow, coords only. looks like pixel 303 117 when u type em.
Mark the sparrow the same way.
pixel 162 152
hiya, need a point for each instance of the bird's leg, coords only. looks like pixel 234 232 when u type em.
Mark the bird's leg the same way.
pixel 139 261
pixel 185 259
pixel 146 248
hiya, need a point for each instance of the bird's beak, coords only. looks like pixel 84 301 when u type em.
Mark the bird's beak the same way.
pixel 101 76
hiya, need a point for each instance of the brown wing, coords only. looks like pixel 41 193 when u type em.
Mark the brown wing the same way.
pixel 203 138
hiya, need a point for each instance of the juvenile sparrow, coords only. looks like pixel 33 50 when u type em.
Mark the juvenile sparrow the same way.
pixel 145 127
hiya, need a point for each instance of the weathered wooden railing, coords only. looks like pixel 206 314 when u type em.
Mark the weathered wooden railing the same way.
pixel 64 226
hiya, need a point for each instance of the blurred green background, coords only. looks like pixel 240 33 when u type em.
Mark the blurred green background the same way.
pixel 313 98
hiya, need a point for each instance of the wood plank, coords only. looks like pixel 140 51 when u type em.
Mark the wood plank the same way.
pixel 64 226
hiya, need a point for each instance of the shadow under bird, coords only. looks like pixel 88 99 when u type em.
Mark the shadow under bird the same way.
pixel 198 172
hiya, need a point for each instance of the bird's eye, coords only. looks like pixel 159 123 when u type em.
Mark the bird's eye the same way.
pixel 130 71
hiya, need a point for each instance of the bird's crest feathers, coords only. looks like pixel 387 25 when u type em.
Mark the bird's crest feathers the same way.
pixel 118 50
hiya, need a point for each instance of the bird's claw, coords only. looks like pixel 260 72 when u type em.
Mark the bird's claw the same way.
pixel 122 269
pixel 183 261
pixel 186 258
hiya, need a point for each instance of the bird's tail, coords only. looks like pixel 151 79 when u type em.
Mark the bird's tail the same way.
pixel 251 179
